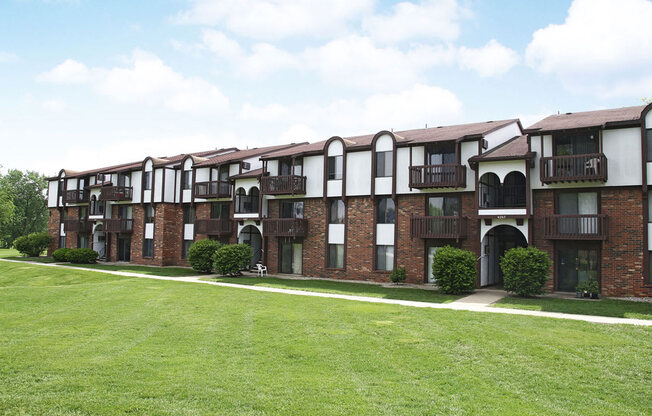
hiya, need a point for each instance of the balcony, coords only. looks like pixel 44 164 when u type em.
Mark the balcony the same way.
pixel 574 168
pixel 438 176
pixel 502 197
pixel 76 196
pixel 214 226
pixel 283 185
pixel 213 189
pixel 576 227
pixel 285 227
pixel 76 225
pixel 453 227
pixel 119 225
pixel 116 193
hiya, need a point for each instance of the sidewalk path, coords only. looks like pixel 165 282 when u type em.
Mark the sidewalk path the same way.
pixel 482 297
pixel 457 305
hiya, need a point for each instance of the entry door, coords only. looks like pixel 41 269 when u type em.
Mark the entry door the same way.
pixel 431 253
pixel 291 257
pixel 124 249
pixel 575 264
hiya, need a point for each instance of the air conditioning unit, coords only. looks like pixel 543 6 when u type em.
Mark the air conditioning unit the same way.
pixel 485 144
pixel 246 165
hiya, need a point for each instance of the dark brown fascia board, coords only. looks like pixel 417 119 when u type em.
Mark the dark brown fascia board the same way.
pixel 605 126
pixel 527 156
pixel 261 156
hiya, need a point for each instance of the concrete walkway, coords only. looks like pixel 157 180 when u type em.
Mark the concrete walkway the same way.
pixel 457 305
pixel 482 297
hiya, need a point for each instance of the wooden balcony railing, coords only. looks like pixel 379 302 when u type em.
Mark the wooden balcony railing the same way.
pixel 214 226
pixel 438 176
pixel 213 189
pixel 576 227
pixel 438 227
pixel 76 196
pixel 119 225
pixel 573 168
pixel 76 225
pixel 283 185
pixel 116 193
pixel 285 227
pixel 502 197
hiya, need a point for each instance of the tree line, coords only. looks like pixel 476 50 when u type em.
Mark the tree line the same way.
pixel 23 205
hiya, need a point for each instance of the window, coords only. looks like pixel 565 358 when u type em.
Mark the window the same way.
pixel 336 256
pixel 336 212
pixel 648 137
pixel 441 154
pixel 246 204
pixel 384 258
pixel 574 203
pixel 61 187
pixel 385 212
pixel 149 213
pixel 148 247
pixel 335 167
pixel 147 181
pixel 83 212
pixel 285 167
pixel 576 143
pixel 447 206
pixel 123 179
pixel 83 241
pixel 188 214
pixel 186 179
pixel 97 207
pixel 62 241
pixel 220 210
pixel 185 247
pixel 649 205
pixel 384 164
pixel 293 209
pixel 124 212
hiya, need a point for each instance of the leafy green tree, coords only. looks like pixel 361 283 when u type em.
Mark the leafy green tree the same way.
pixel 26 192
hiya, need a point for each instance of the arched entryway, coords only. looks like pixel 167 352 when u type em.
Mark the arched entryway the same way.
pixel 250 235
pixel 99 241
pixel 494 244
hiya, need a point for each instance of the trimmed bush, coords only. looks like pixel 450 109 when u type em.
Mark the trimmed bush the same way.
pixel 229 260
pixel 398 275
pixel 82 256
pixel 200 254
pixel 454 270
pixel 525 270
pixel 32 245
pixel 61 254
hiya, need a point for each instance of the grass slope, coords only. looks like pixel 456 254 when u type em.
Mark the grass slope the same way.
pixel 345 288
pixel 603 307
pixel 76 342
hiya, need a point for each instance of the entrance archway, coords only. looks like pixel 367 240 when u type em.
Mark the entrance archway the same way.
pixel 99 241
pixel 494 244
pixel 250 235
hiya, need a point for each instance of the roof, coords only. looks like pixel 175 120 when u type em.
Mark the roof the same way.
pixel 514 148
pixel 251 174
pixel 599 118
pixel 244 154
pixel 405 137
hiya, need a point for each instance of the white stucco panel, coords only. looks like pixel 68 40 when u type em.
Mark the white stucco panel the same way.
pixel 335 233
pixel 202 175
pixel 502 168
pixel 52 194
pixel 188 231
pixel 507 221
pixel 502 135
pixel 335 148
pixel 149 230
pixel 137 184
pixel 358 173
pixel 334 188
pixel 384 143
pixel 158 184
pixel 383 186
pixel 385 234
pixel 169 185
pixel 622 147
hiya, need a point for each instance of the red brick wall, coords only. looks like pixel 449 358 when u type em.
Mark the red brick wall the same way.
pixel 168 234
pixel 54 225
pixel 544 207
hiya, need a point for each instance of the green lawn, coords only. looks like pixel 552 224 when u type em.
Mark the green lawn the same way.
pixel 77 342
pixel 344 288
pixel 603 307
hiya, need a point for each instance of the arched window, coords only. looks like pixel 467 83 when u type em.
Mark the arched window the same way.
pixel 97 207
pixel 253 199
pixel 246 204
pixel 336 212
pixel 386 211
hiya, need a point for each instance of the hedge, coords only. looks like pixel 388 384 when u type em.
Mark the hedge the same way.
pixel 454 270
pixel 525 270
pixel 231 259
pixel 33 244
pixel 62 254
pixel 82 256
pixel 200 254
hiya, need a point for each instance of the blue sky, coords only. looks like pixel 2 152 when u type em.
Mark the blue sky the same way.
pixel 87 83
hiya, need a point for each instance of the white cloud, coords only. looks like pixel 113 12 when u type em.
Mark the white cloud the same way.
pixel 429 19
pixel 603 47
pixel 298 133
pixel 54 105
pixel 275 19
pixel 147 80
pixel 490 60
pixel 7 57
pixel 269 113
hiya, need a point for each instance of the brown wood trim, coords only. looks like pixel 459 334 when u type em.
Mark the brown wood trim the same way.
pixel 325 156
pixel 644 192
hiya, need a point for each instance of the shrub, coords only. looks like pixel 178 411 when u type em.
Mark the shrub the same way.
pixel 231 259
pixel 454 270
pixel 592 286
pixel 61 254
pixel 82 256
pixel 200 254
pixel 33 244
pixel 525 270
pixel 398 275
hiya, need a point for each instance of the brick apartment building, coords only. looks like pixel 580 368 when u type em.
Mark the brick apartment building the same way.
pixel 574 185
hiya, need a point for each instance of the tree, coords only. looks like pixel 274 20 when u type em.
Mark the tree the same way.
pixel 26 191
pixel 6 210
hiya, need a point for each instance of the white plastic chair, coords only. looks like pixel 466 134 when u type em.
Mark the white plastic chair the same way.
pixel 261 270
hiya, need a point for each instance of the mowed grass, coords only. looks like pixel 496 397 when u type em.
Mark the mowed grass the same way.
pixel 343 288
pixel 602 307
pixel 77 342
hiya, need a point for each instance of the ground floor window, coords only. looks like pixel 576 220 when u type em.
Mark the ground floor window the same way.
pixel 148 247
pixel 336 256
pixel 62 241
pixel 83 241
pixel 185 247
pixel 384 258
pixel 124 248
pixel 291 257
pixel 430 252
pixel 576 263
